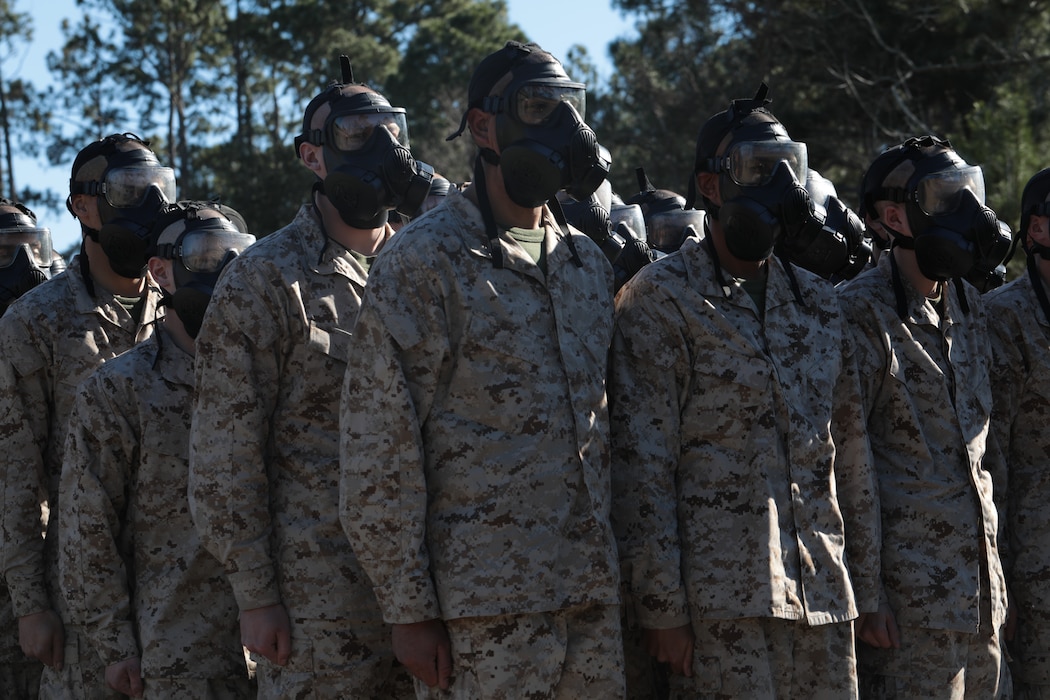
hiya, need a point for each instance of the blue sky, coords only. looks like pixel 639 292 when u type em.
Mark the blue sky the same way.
pixel 554 24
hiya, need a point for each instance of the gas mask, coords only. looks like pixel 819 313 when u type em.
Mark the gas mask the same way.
pixel 25 260
pixel 545 145
pixel 370 169
pixel 830 242
pixel 133 191
pixel 953 230
pixel 763 197
pixel 201 249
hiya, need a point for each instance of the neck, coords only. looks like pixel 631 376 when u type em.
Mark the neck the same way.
pixel 909 269
pixel 104 276
pixel 506 213
pixel 367 242
pixel 742 269
pixel 173 324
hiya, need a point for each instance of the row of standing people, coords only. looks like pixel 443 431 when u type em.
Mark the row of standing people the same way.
pixel 789 466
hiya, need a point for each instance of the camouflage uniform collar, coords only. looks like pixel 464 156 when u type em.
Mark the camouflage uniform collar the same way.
pixel 173 363
pixel 325 255
pixel 476 240
pixel 104 302
pixel 779 289
pixel 919 308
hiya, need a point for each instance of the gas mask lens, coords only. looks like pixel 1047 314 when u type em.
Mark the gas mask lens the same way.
pixel 350 132
pixel 534 103
pixel 205 251
pixel 126 188
pixel 37 243
pixel 753 163
pixel 940 193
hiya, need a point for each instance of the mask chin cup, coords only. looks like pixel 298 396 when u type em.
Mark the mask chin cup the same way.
pixel 532 173
pixel 124 242
pixel 356 198
pixel 943 254
pixel 190 304
pixel 750 229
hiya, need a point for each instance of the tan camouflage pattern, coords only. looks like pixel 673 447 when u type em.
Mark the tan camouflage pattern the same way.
pixel 742 478
pixel 351 656
pixel 19 675
pixel 563 655
pixel 1021 394
pixel 474 448
pixel 264 450
pixel 928 398
pixel 50 339
pixel 133 571
pixel 938 664
pixel 768 658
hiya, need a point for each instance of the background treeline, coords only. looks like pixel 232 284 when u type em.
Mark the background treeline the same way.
pixel 219 86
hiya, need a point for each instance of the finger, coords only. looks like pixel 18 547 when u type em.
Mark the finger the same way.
pixel 894 638
pixel 284 646
pixel 444 665
pixel 58 650
pixel 687 661
pixel 135 683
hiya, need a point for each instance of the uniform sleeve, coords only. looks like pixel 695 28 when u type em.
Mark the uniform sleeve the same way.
pixel 1008 368
pixel 649 374
pixel 101 446
pixel 856 483
pixel 398 349
pixel 237 377
pixel 24 432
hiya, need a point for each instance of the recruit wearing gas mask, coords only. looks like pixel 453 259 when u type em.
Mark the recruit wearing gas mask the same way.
pixel 953 232
pixel 200 241
pixel 667 222
pixel 761 177
pixel 545 144
pixel 132 190
pixel 26 255
pixel 370 169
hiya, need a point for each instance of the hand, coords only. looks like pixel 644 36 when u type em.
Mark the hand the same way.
pixel 268 631
pixel 125 677
pixel 424 649
pixel 671 646
pixel 879 629
pixel 42 637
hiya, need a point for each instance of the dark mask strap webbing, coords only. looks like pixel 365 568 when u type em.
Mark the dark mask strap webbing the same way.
pixel 898 288
pixel 559 216
pixel 1037 285
pixel 792 279
pixel 85 271
pixel 960 290
pixel 726 290
pixel 495 249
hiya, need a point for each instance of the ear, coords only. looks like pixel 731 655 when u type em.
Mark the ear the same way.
pixel 79 204
pixel 896 218
pixel 160 271
pixel 707 185
pixel 313 158
pixel 482 128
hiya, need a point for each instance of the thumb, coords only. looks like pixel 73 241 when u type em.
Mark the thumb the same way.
pixel 444 664
pixel 284 646
pixel 58 650
pixel 135 682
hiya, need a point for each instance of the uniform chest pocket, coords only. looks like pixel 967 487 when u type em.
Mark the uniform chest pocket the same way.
pixel 729 396
pixel 330 341
pixel 494 381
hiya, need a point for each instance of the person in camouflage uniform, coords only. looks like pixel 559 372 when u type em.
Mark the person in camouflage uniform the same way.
pixel 744 500
pixel 475 483
pixel 1019 319
pixel 264 448
pixel 25 262
pixel 50 339
pixel 155 606
pixel 924 356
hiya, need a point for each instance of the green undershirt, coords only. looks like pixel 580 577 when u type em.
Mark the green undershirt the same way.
pixel 531 239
